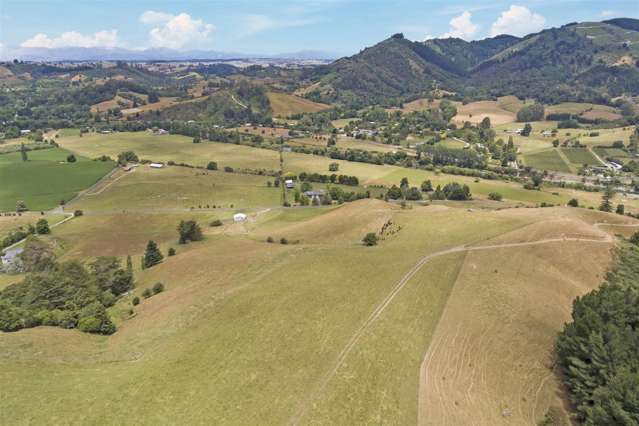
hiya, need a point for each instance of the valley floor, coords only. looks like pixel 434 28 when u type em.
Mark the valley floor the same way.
pixel 450 319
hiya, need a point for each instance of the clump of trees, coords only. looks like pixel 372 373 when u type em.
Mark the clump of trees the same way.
pixel 127 157
pixel 533 112
pixel 189 230
pixel 599 349
pixel 64 294
pixel 42 227
pixel 452 191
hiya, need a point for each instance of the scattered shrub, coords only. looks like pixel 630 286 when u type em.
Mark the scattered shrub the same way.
pixel 158 288
pixel 370 239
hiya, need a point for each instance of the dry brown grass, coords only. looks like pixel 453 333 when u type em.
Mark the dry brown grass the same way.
pixel 110 104
pixel 601 114
pixel 491 359
pixel 475 112
pixel 346 224
pixel 284 104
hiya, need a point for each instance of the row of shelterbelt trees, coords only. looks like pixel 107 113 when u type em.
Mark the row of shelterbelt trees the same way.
pixel 599 349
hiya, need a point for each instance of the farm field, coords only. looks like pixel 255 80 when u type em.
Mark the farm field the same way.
pixel 613 152
pixel 586 110
pixel 345 142
pixel 181 149
pixel 284 104
pixel 547 160
pixel 475 112
pixel 46 178
pixel 580 156
pixel 181 188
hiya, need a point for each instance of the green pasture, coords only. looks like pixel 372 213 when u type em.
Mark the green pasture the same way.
pixel 46 178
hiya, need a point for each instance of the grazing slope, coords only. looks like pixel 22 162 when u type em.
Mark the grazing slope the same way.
pixel 284 104
pixel 491 360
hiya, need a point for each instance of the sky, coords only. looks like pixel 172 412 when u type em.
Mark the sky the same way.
pixel 281 26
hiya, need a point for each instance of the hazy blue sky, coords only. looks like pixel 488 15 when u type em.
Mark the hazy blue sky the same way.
pixel 277 26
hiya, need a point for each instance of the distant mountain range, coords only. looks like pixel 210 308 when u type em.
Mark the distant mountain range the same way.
pixel 154 54
pixel 580 61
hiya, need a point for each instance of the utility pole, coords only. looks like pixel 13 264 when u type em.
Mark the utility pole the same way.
pixel 282 183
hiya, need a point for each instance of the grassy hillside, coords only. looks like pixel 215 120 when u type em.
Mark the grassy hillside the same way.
pixel 315 332
pixel 285 105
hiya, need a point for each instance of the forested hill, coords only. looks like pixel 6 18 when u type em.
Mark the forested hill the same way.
pixel 469 54
pixel 590 61
pixel 385 73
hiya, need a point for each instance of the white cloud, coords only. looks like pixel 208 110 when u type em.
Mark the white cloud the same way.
pixel 518 20
pixel 153 17
pixel 252 24
pixel 462 26
pixel 107 38
pixel 176 31
pixel 608 13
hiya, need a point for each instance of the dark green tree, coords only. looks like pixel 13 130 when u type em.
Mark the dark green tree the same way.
pixel 189 230
pixel 152 255
pixel 42 227
pixel 606 199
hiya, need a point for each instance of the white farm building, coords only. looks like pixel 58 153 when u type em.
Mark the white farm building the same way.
pixel 239 217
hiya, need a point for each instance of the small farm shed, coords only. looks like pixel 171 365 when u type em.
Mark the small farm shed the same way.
pixel 156 165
